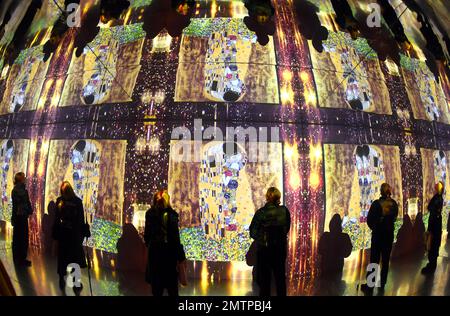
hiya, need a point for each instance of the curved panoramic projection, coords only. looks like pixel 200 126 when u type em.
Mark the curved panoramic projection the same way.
pixel 215 102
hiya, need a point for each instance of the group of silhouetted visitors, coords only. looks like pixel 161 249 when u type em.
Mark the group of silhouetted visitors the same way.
pixel 166 261
pixel 69 227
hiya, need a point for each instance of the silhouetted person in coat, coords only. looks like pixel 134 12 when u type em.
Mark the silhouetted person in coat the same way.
pixel 165 251
pixel 47 226
pixel 405 239
pixel 434 228
pixel 69 231
pixel 448 226
pixel 334 247
pixel 381 219
pixel 21 210
pixel 269 228
pixel 418 233
pixel 131 250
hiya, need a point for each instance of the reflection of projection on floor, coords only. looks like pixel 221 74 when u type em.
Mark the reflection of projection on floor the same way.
pixel 217 197
pixel 13 159
pixel 353 176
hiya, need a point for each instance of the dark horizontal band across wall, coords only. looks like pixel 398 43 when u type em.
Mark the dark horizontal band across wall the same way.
pixel 328 133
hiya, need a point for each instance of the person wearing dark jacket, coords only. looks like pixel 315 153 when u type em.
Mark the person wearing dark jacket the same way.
pixel 69 231
pixel 448 226
pixel 418 232
pixel 381 220
pixel 165 251
pixel 334 247
pixel 269 228
pixel 21 210
pixel 434 228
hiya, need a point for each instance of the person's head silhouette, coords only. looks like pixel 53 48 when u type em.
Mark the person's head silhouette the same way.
pixel 385 190
pixel 336 224
pixel 439 188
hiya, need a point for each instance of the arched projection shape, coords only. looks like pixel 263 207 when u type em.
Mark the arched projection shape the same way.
pixel 97 83
pixel 370 168
pixel 223 77
pixel 219 180
pixel 440 166
pixel 347 58
pixel 85 158
pixel 6 154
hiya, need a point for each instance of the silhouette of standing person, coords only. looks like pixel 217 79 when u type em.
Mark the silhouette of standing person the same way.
pixel 269 228
pixel 130 250
pixel 381 219
pixel 405 239
pixel 21 210
pixel 165 251
pixel 434 228
pixel 418 233
pixel 47 224
pixel 69 231
pixel 334 247
pixel 448 227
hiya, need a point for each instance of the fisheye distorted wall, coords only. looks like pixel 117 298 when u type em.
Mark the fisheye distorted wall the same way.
pixel 103 120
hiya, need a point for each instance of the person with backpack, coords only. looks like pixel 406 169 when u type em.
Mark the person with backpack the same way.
pixel 269 228
pixel 381 220
pixel 165 251
pixel 21 211
pixel 434 230
pixel 69 230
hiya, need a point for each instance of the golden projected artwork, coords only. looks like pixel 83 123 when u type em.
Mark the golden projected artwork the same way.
pixel 13 159
pixel 25 81
pixel 221 61
pixel 45 17
pixel 434 169
pixel 96 170
pixel 353 176
pixel 107 69
pixel 427 98
pixel 348 75
pixel 217 197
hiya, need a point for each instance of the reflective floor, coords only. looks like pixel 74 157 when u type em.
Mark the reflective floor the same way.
pixel 404 279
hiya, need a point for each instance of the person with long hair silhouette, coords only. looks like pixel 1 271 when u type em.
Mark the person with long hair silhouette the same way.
pixel 165 251
pixel 434 229
pixel 69 232
pixel 21 211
